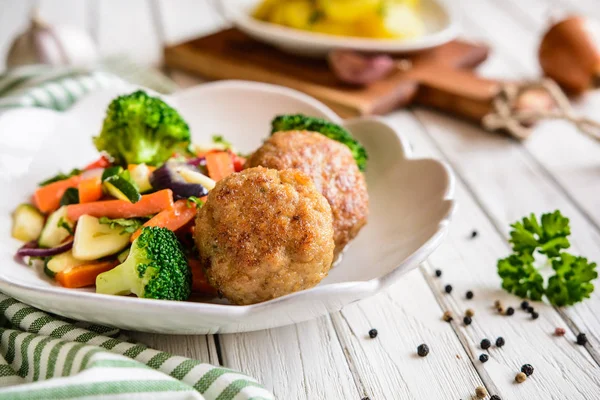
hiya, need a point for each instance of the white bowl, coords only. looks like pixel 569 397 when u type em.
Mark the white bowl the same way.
pixel 411 201
pixel 439 19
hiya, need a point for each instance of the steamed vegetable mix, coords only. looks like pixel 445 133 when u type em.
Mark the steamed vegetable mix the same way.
pixel 116 216
pixel 379 19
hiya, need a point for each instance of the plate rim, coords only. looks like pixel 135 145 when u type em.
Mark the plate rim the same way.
pixel 365 288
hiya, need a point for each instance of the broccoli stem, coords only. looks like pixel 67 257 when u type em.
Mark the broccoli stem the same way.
pixel 121 280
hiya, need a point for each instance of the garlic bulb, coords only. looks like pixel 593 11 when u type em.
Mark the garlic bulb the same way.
pixel 42 43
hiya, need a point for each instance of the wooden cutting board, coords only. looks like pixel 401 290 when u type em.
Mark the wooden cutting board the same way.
pixel 434 79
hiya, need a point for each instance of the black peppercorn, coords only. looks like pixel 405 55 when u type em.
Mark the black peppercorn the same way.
pixel 373 333
pixel 581 339
pixel 483 358
pixel 469 295
pixel 366 398
pixel 495 397
pixel 467 320
pixel 474 234
pixel 500 342
pixel 524 305
pixel 530 309
pixel 534 315
pixel 448 288
pixel 510 311
pixel 438 272
pixel 485 344
pixel 423 350
pixel 527 369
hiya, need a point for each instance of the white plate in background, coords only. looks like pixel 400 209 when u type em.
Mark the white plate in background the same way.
pixel 438 17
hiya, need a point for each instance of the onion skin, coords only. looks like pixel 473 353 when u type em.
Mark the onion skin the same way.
pixel 359 69
pixel 166 177
pixel 30 249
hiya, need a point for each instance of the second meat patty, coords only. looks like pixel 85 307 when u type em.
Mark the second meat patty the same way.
pixel 332 168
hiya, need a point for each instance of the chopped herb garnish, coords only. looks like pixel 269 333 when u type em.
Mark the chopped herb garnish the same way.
pixel 128 225
pixel 315 17
pixel 194 200
pixel 60 177
pixel 71 196
pixel 219 139
pixel 62 223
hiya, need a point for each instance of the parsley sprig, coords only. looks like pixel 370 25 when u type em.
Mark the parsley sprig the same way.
pixel 571 282
pixel 128 225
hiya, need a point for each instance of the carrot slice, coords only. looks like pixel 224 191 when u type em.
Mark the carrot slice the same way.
pixel 148 205
pixel 199 281
pixel 131 167
pixel 84 275
pixel 219 165
pixel 90 189
pixel 172 219
pixel 47 198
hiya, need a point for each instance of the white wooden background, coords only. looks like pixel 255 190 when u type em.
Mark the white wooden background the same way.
pixel 499 181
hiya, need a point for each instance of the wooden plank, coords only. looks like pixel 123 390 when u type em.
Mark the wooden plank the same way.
pixel 14 18
pixel 126 28
pixel 554 169
pixel 302 361
pixel 388 367
pixel 471 265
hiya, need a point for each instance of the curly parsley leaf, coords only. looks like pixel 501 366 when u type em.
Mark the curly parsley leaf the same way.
pixel 548 237
pixel 128 225
pixel 519 276
pixel 572 281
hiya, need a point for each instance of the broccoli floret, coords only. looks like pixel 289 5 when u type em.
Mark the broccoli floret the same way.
pixel 156 268
pixel 139 128
pixel 299 122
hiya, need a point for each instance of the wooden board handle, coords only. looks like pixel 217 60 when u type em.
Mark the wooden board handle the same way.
pixel 457 92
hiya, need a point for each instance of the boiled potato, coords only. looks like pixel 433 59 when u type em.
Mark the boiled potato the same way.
pixel 295 14
pixel 398 21
pixel 264 9
pixel 347 11
pixel 334 28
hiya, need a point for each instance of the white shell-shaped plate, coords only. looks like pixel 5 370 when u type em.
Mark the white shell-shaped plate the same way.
pixel 438 17
pixel 411 201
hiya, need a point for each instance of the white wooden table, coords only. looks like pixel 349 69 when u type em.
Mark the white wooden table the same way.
pixel 499 181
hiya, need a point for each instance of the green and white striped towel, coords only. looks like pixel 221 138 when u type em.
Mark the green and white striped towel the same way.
pixel 43 356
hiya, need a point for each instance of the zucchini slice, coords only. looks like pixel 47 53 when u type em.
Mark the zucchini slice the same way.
pixel 122 189
pixel 28 223
pixel 54 232
pixel 61 262
pixel 111 171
